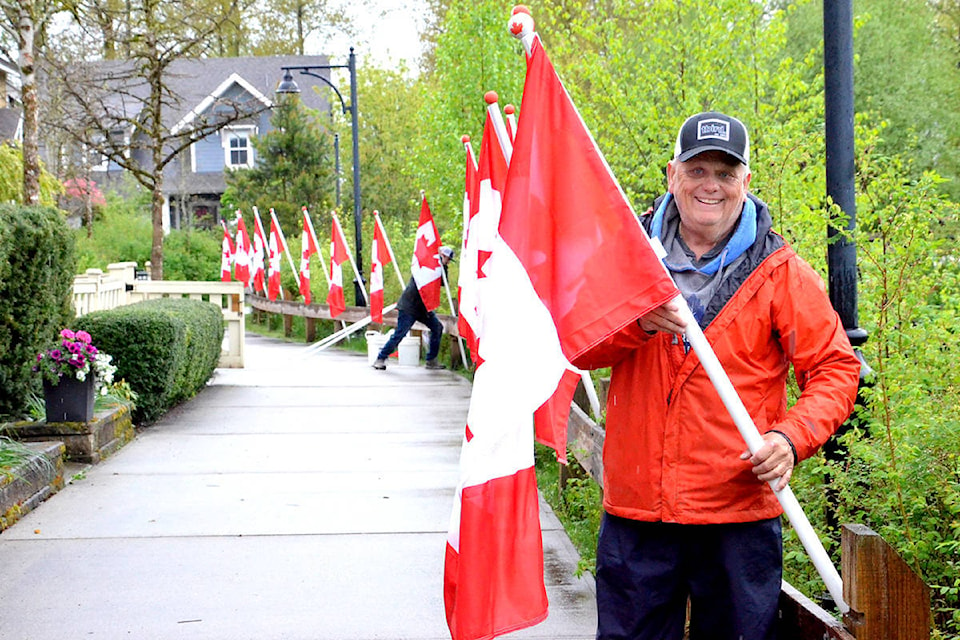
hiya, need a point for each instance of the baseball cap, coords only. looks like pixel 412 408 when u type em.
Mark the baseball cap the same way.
pixel 447 252
pixel 712 131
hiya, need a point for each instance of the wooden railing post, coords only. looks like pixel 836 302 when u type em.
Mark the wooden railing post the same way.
pixel 888 600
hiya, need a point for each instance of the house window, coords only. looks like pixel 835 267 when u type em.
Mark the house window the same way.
pixel 238 151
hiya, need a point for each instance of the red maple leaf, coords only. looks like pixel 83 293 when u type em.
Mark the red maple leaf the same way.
pixel 426 254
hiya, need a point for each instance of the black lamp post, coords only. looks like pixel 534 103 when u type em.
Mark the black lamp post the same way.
pixel 288 85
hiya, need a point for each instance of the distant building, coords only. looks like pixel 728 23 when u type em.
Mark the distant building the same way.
pixel 200 88
pixel 11 111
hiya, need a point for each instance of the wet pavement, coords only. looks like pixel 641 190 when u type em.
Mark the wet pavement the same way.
pixel 302 497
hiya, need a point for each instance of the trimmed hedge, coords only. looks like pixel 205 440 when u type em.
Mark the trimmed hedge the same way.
pixel 36 274
pixel 166 349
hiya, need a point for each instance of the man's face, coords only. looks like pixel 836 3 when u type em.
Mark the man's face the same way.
pixel 710 189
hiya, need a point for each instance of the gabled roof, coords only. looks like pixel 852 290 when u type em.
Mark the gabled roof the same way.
pixel 208 102
pixel 194 83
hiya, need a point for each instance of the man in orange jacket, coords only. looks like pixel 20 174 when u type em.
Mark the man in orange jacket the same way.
pixel 689 513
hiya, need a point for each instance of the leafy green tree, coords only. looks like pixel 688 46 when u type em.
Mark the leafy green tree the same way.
pixel 295 168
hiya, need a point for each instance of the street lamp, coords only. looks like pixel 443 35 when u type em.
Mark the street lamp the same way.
pixel 289 86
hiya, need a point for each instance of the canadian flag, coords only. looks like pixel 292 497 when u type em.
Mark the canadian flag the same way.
pixel 379 256
pixel 467 282
pixel 241 255
pixel 491 179
pixel 275 247
pixel 426 267
pixel 226 254
pixel 573 262
pixel 308 247
pixel 259 252
pixel 338 255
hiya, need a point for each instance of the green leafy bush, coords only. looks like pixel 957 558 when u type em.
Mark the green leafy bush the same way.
pixel 36 273
pixel 192 255
pixel 166 349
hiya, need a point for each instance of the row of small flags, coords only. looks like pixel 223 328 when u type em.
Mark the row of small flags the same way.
pixel 257 262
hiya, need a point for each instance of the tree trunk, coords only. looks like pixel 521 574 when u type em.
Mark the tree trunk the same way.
pixel 31 155
pixel 156 250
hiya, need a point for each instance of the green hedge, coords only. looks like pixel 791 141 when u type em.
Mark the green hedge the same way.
pixel 166 349
pixel 36 273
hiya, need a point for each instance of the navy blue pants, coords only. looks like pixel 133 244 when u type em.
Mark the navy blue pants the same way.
pixel 647 570
pixel 404 323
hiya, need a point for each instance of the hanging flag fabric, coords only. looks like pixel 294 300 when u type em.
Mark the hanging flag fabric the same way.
pixel 257 267
pixel 573 262
pixel 273 279
pixel 467 281
pixel 426 267
pixel 242 251
pixel 226 254
pixel 338 255
pixel 307 248
pixel 379 256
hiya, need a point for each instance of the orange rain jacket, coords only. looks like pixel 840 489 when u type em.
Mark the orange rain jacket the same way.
pixel 672 452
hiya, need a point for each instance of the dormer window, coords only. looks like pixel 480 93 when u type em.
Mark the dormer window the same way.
pixel 237 149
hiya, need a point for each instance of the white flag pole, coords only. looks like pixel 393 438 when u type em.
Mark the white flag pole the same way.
pixel 453 310
pixel 313 234
pixel 498 125
pixel 510 112
pixel 343 333
pixel 386 240
pixel 283 242
pixel 521 25
pixel 356 273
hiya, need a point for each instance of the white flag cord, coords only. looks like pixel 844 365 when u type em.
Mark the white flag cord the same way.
pixel 446 285
pixel 362 288
pixel 316 243
pixel 386 240
pixel 748 430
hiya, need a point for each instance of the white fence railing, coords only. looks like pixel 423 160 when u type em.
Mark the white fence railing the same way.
pixel 97 291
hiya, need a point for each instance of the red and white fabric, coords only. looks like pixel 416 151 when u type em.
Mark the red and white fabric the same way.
pixel 307 248
pixel 275 248
pixel 241 254
pixel 379 257
pixel 572 262
pixel 226 254
pixel 467 281
pixel 257 266
pixel 427 270
pixel 338 255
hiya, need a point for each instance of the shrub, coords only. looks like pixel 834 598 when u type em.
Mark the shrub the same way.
pixel 192 255
pixel 166 349
pixel 36 273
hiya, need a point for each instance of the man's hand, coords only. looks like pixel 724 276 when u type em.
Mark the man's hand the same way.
pixel 773 460
pixel 664 318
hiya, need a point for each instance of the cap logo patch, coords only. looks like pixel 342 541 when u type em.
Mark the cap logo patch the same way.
pixel 713 129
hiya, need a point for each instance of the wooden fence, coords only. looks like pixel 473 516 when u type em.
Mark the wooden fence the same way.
pixel 120 285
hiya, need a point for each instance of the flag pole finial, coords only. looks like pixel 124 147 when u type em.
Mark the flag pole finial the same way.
pixel 464 139
pixel 509 109
pixel 490 97
pixel 521 22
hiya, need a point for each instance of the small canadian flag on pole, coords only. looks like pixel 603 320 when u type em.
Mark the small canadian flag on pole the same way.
pixel 379 256
pixel 275 247
pixel 226 254
pixel 241 255
pixel 338 255
pixel 259 253
pixel 307 248
pixel 426 267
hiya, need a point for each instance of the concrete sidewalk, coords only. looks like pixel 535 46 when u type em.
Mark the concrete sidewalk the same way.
pixel 298 498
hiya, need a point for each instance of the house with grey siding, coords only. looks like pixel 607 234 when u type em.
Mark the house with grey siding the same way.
pixel 199 88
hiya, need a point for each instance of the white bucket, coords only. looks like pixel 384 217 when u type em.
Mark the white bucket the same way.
pixel 409 351
pixel 375 342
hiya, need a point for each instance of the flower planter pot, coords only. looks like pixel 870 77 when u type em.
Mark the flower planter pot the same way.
pixel 70 400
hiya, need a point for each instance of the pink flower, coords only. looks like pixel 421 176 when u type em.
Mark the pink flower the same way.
pixel 69 335
pixel 83 336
